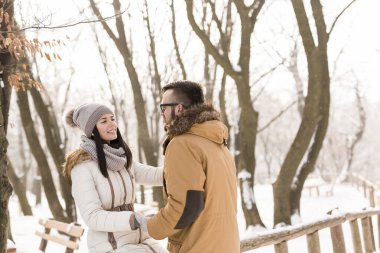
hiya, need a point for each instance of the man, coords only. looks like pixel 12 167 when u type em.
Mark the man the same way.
pixel 199 176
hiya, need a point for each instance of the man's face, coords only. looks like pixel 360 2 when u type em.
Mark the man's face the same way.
pixel 169 106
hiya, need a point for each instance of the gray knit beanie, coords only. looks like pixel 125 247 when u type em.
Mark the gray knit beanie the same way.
pixel 86 116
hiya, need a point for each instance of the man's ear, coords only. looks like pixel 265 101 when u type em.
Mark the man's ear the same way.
pixel 180 108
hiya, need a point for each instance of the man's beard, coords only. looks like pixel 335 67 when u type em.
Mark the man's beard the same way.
pixel 172 118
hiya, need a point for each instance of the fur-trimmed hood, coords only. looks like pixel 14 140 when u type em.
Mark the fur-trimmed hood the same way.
pixel 195 115
pixel 202 120
pixel 72 159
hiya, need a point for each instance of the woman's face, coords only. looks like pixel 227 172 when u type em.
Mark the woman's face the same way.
pixel 107 127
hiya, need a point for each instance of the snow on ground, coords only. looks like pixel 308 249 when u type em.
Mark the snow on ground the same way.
pixel 24 227
pixel 345 197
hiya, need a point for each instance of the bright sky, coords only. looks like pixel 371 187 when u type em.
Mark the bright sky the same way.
pixel 364 44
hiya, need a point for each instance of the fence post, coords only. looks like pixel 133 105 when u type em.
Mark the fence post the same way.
pixel 281 247
pixel 337 239
pixel 44 242
pixel 369 244
pixel 313 244
pixel 372 196
pixel 355 235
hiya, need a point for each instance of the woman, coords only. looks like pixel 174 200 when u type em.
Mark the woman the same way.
pixel 103 180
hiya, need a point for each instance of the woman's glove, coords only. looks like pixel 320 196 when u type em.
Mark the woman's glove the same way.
pixel 140 222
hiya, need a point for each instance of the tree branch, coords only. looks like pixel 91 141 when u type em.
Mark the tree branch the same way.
pixel 223 61
pixel 241 8
pixel 276 117
pixel 70 25
pixel 336 19
pixel 104 24
pixel 119 21
pixel 157 76
pixel 176 47
pixel 220 29
pixel 303 26
pixel 256 6
pixel 320 23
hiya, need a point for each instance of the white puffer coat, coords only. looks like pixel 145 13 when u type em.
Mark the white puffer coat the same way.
pixel 92 194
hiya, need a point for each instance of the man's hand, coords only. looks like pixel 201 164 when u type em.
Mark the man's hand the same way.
pixel 140 222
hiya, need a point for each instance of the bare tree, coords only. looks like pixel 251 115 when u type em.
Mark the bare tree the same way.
pixel 55 146
pixel 19 169
pixel 20 190
pixel 301 157
pixel 336 147
pixel 6 64
pixel 40 157
pixel 145 138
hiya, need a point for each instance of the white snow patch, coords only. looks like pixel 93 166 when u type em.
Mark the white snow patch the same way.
pixel 252 231
pixel 296 218
pixel 244 174
pixel 248 197
pixel 280 225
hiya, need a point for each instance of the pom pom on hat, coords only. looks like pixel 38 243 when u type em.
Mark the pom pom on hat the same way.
pixel 69 118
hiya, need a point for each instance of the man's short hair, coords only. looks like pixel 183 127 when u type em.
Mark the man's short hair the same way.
pixel 186 92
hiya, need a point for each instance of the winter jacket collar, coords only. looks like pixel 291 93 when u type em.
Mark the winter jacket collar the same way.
pixel 202 120
pixel 74 158
pixel 194 115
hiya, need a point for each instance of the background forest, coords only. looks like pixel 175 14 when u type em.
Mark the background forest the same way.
pixel 296 82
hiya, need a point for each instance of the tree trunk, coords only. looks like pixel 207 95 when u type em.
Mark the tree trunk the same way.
pixel 288 173
pixel 40 157
pixel 247 162
pixel 37 187
pixel 19 189
pixel 156 114
pixel 288 186
pixel 313 154
pixel 54 143
pixel 222 105
pixel 5 188
pixel 6 63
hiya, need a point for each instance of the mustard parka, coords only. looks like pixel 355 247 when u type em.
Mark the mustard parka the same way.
pixel 200 186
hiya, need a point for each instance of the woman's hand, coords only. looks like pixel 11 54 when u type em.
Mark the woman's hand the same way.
pixel 141 221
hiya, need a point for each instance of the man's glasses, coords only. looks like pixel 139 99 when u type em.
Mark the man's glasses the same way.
pixel 163 106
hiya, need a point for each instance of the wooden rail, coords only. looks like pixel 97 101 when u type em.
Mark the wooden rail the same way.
pixel 280 237
pixel 368 188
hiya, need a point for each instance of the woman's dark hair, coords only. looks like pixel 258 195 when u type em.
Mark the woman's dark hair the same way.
pixel 117 143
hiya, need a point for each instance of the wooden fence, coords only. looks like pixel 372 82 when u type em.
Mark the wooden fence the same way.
pixel 334 223
pixel 366 187
pixel 311 230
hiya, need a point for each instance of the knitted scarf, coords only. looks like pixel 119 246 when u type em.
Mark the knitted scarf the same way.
pixel 115 158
